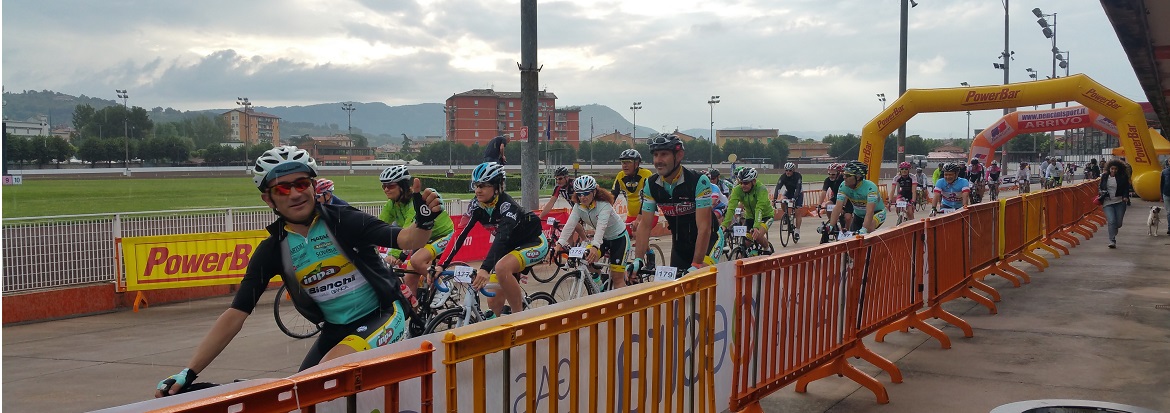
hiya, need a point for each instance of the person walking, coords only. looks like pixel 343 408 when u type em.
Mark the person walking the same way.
pixel 1114 195
pixel 495 150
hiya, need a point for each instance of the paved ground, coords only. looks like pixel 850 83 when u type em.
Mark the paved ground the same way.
pixel 1088 327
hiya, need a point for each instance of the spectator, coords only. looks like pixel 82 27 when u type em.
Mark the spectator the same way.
pixel 495 150
pixel 1114 194
pixel 1165 185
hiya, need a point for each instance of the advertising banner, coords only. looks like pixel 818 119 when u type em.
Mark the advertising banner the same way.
pixel 188 260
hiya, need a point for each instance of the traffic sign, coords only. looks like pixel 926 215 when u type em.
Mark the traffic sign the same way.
pixel 524 133
pixel 732 158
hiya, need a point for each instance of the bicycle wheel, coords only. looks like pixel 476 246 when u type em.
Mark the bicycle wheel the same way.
pixel 539 299
pixel 738 253
pixel 570 286
pixel 659 255
pixel 446 320
pixel 290 321
pixel 785 230
pixel 556 260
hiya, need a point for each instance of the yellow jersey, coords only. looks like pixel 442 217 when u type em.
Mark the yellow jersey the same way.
pixel 631 186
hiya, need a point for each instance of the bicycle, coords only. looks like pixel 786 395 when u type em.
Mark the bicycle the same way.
pixel 976 192
pixel 900 205
pixel 742 246
pixel 469 311
pixel 787 222
pixel 923 202
pixel 554 259
pixel 993 191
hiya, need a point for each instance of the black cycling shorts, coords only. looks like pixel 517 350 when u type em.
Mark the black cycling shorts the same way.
pixel 382 326
pixel 616 249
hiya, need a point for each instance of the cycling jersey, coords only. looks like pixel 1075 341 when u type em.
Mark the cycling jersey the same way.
pixel 718 200
pixel 952 193
pixel 1023 174
pixel 601 216
pixel 832 185
pixel 348 266
pixel 937 175
pixel 679 202
pixel 793 186
pixel 564 192
pixel 866 193
pixel 724 186
pixel 975 173
pixel 334 200
pixel 993 173
pixel 516 230
pixel 756 205
pixel 402 215
pixel 905 185
pixel 631 186
pixel 920 178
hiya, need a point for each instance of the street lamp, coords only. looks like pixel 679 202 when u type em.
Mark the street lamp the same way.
pixel 903 33
pixel 247 104
pixel 449 111
pixel 711 155
pixel 634 129
pixel 1031 73
pixel 969 137
pixel 122 94
pixel 348 108
pixel 882 98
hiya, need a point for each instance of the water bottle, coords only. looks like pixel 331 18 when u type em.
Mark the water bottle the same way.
pixel 650 258
pixel 408 295
pixel 598 281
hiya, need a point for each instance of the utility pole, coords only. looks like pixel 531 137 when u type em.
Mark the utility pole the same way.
pixel 122 94
pixel 903 34
pixel 529 86
pixel 348 108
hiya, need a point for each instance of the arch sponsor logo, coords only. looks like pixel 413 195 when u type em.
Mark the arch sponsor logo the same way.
pixel 1140 155
pixel 1094 95
pixel 975 97
pixel 188 260
pixel 886 121
pixel 162 259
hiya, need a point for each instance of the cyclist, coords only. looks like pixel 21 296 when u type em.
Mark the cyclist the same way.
pixel 832 185
pixel 793 185
pixel 976 174
pixel 563 189
pixel 398 211
pixel 920 178
pixel 993 173
pixel 718 202
pixel 684 196
pixel 629 182
pixel 952 192
pixel 723 184
pixel 517 233
pixel 595 208
pixel 1054 171
pixel 904 189
pixel 1023 177
pixel 864 196
pixel 325 254
pixel 325 193
pixel 756 207
pixel 934 177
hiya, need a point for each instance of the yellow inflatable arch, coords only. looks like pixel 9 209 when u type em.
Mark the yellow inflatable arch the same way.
pixel 1127 115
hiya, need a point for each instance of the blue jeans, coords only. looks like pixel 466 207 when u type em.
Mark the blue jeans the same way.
pixel 1166 208
pixel 1114 214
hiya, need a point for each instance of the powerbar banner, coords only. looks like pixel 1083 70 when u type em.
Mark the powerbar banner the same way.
pixel 188 260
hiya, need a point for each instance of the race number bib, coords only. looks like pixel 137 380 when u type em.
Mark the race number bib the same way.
pixel 463 274
pixel 739 231
pixel 552 221
pixel 665 273
pixel 829 207
pixel 901 203
pixel 576 252
pixel 739 211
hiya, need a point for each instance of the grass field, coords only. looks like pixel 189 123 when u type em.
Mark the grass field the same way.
pixel 40 197
pixel 68 197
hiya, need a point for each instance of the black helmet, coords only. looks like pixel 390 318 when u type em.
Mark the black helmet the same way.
pixel 713 173
pixel 665 142
pixel 857 168
pixel 561 171
pixel 953 167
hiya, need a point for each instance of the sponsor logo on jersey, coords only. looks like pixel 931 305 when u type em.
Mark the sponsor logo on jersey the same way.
pixel 673 210
pixel 532 254
pixel 320 273
pixel 504 207
pixel 333 287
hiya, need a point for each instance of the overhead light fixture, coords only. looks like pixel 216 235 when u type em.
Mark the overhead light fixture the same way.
pixel 998 66
pixel 913 3
pixel 1037 12
pixel 965 84
pixel 1048 33
pixel 1043 23
pixel 1063 64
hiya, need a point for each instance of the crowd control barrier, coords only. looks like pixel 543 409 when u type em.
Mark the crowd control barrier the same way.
pixel 983 250
pixel 304 392
pixel 668 325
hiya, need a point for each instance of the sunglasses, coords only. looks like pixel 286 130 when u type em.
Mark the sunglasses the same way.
pixel 389 185
pixel 286 188
pixel 585 193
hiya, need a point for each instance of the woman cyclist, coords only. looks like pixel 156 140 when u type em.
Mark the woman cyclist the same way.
pixel 519 242
pixel 595 208
pixel 399 211
pixel 325 193
pixel 904 189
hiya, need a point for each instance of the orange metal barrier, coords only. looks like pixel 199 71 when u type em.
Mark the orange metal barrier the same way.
pixel 983 250
pixel 1034 230
pixel 304 392
pixel 804 314
pixel 663 305
pixel 1012 236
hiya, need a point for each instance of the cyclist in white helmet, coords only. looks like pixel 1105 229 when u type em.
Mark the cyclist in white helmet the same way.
pixel 398 211
pixel 595 209
pixel 793 185
pixel 325 254
pixel 325 193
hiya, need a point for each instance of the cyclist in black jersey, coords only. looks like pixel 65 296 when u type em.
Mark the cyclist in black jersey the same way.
pixel 904 188
pixel 563 189
pixel 831 185
pixel 793 185
pixel 342 285
pixel 684 196
pixel 519 242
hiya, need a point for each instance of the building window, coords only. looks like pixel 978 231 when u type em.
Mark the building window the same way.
pixel 476 113
pixel 477 134
pixel 511 114
pixel 475 102
pixel 511 124
pixel 511 104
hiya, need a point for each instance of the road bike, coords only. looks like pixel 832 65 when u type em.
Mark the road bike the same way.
pixel 923 200
pixel 557 261
pixel 993 190
pixel 788 222
pixel 740 245
pixel 469 310
pixel 900 206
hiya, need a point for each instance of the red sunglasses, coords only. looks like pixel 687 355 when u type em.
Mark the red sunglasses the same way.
pixel 286 188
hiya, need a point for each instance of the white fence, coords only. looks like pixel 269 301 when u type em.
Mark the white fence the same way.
pixel 59 251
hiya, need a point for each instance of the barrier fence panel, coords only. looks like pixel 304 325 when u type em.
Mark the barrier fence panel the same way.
pixel 790 318
pixel 1011 234
pixel 670 324
pixel 1053 221
pixel 305 391
pixel 48 252
pixel 983 250
pixel 1034 229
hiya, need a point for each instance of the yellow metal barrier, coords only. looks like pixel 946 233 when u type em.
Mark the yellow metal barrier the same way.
pixel 668 319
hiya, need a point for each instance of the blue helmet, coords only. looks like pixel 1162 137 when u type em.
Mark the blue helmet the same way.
pixel 490 173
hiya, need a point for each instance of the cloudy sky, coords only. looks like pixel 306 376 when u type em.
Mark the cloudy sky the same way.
pixel 795 65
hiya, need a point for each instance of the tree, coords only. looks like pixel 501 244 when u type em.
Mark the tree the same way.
pixel 17 150
pixel 359 140
pixel 60 149
pixel 778 151
pixel 843 146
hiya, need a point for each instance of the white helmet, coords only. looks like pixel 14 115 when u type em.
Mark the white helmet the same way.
pixel 281 161
pixel 394 174
pixel 584 183
pixel 630 154
pixel 789 166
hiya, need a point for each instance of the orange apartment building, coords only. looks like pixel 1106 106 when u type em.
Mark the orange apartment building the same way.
pixel 336 150
pixel 478 115
pixel 252 126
